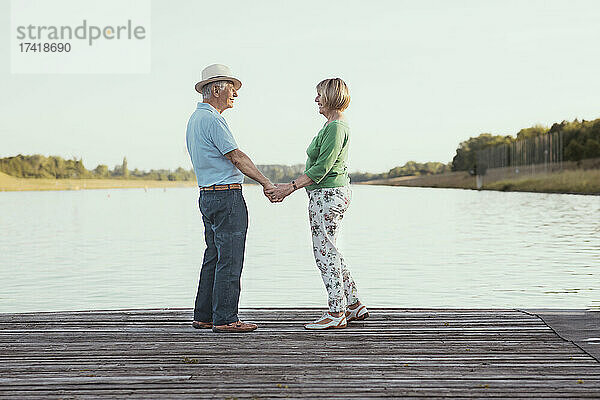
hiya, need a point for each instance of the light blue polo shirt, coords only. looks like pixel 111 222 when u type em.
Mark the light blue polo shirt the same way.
pixel 208 139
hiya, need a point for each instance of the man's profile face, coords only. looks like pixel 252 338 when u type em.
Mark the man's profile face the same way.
pixel 227 96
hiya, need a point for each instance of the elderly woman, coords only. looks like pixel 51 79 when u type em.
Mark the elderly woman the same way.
pixel 327 184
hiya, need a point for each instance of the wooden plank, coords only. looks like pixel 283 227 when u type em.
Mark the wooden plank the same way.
pixel 298 393
pixel 85 385
pixel 149 349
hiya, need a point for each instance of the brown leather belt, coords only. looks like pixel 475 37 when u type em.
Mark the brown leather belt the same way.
pixel 222 187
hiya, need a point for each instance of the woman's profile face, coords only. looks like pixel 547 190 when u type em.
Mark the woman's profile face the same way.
pixel 318 101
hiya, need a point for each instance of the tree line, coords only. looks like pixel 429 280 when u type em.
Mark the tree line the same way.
pixel 286 173
pixel 581 139
pixel 411 168
pixel 39 166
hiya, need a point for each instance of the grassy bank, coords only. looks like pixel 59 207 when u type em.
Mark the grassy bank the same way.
pixel 577 181
pixel 571 181
pixel 10 183
pixel 459 180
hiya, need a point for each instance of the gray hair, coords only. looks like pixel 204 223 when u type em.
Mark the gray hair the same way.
pixel 207 89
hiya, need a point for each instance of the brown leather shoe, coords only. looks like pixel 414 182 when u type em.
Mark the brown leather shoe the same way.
pixel 235 327
pixel 202 325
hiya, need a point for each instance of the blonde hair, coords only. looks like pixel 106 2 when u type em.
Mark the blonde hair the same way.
pixel 334 94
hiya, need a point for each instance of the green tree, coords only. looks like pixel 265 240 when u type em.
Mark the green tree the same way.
pixel 124 168
pixel 574 151
pixel 101 170
pixel 592 148
pixel 465 158
pixel 532 132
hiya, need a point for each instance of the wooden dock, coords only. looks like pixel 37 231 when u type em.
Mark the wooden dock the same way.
pixel 436 353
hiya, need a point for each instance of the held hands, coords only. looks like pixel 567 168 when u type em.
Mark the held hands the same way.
pixel 278 192
pixel 266 188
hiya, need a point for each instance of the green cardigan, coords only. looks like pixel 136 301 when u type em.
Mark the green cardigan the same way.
pixel 327 156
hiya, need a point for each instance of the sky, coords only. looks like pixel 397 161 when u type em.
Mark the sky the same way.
pixel 423 76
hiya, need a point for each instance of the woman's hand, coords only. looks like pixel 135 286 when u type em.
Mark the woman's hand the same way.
pixel 279 192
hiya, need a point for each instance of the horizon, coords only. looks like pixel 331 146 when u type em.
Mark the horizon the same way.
pixel 90 168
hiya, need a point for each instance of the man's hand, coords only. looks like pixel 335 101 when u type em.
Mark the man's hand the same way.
pixel 279 192
pixel 269 186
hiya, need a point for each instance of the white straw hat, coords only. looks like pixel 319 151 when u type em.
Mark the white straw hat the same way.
pixel 217 72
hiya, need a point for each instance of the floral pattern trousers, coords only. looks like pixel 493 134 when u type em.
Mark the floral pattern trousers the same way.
pixel 326 209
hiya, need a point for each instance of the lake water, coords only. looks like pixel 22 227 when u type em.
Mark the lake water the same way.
pixel 406 247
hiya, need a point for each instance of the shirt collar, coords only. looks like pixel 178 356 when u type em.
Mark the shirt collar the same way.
pixel 206 106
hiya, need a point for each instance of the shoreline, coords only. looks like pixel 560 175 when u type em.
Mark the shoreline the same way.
pixel 11 184
pixel 579 182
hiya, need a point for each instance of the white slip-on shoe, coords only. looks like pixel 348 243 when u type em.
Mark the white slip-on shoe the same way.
pixel 358 314
pixel 327 321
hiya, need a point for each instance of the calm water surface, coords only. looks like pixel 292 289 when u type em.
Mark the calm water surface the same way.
pixel 406 247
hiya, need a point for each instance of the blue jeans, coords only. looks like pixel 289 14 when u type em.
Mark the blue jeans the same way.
pixel 225 218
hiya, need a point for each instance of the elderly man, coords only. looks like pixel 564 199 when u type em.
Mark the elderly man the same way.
pixel 220 167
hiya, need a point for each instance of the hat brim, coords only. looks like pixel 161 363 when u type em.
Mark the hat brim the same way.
pixel 237 84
